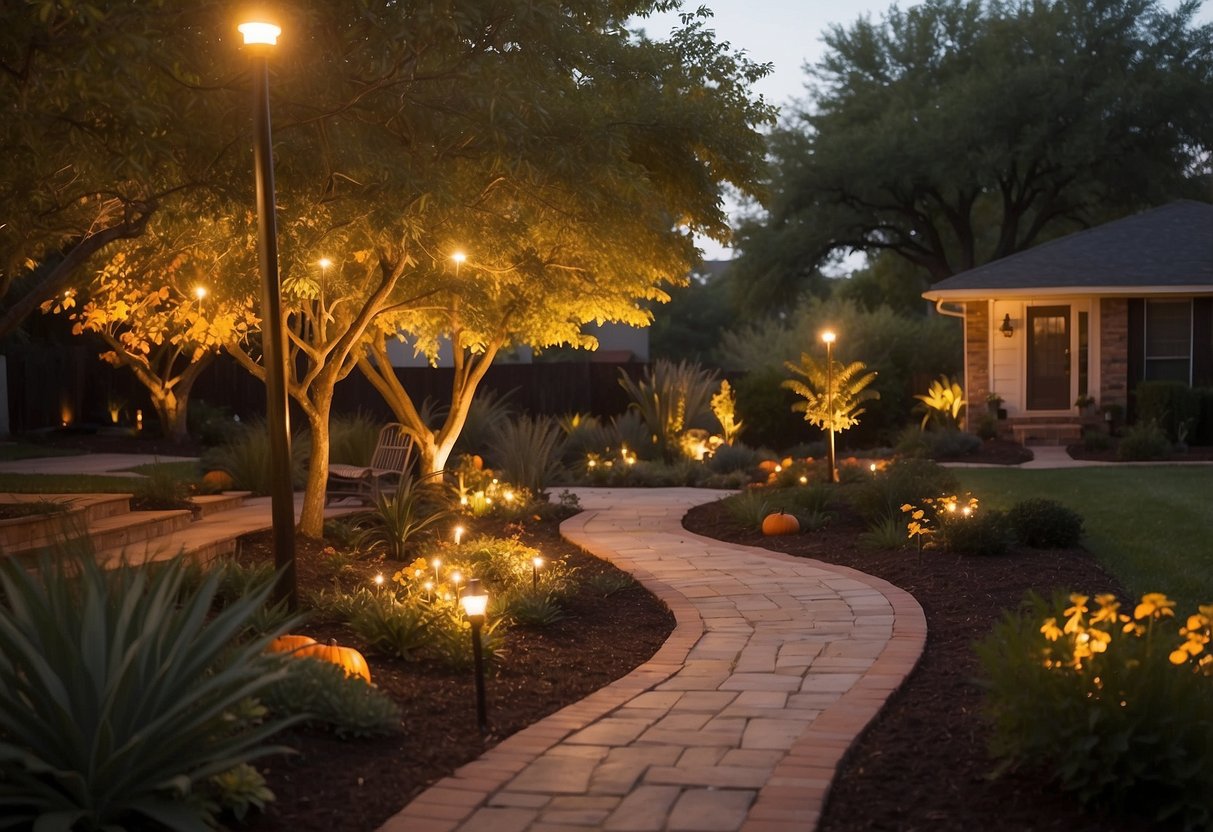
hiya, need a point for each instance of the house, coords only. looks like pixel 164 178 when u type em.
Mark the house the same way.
pixel 1088 316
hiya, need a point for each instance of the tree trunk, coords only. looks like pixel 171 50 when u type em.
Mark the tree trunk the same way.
pixel 311 519
pixel 172 414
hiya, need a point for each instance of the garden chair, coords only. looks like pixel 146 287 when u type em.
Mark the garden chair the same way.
pixel 392 457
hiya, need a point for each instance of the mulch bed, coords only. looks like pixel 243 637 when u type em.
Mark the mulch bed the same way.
pixel 357 784
pixel 922 764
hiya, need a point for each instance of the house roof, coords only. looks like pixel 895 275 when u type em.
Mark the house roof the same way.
pixel 1166 250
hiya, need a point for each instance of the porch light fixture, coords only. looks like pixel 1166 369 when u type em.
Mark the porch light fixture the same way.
pixel 1005 328
pixel 475 602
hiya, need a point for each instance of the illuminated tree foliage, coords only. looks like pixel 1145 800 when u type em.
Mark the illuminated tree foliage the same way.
pixel 960 131
pixel 571 159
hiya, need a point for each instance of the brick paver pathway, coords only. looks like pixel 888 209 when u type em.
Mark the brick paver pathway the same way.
pixel 737 723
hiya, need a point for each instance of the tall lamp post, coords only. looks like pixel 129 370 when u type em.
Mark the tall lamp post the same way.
pixel 260 37
pixel 828 337
pixel 475 601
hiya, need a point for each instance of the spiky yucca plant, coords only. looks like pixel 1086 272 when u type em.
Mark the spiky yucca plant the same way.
pixel 671 398
pixel 526 451
pixel 122 694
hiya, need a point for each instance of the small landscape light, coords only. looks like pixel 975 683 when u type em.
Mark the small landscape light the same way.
pixel 259 33
pixel 459 532
pixel 509 496
pixel 429 588
pixel 138 420
pixel 872 467
pixel 379 579
pixel 437 564
pixel 536 563
pixel 456 579
pixel 475 602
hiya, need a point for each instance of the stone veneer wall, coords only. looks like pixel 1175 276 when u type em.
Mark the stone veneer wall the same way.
pixel 1114 351
pixel 977 357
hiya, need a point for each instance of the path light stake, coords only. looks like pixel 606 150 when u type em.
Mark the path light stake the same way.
pixel 260 37
pixel 535 564
pixel 828 337
pixel 475 601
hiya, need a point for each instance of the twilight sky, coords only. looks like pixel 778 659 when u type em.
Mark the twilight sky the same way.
pixel 787 33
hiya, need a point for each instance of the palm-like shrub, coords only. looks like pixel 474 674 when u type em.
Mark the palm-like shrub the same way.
pixel 352 439
pixel 487 410
pixel 671 398
pixel 122 694
pixel 400 516
pixel 246 456
pixel 526 452
pixel 833 397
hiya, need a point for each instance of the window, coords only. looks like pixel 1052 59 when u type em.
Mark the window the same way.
pixel 1168 353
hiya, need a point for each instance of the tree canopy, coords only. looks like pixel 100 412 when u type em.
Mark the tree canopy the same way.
pixel 960 131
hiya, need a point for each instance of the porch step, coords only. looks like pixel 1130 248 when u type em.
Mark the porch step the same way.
pixel 1050 433
pixel 37 531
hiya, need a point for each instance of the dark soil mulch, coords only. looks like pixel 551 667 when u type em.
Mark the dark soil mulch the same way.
pixel 357 784
pixel 922 763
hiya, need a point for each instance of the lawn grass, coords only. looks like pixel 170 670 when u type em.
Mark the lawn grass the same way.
pixel 97 483
pixel 1151 526
pixel 10 451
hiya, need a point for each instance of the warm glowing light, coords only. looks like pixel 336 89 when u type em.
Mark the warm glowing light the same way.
pixel 537 562
pixel 966 511
pixel 436 562
pixel 495 480
pixel 475 601
pixel 379 579
pixel 138 420
pixel 459 529
pixel 872 467
pixel 631 460
pixel 827 337
pixel 324 262
pixel 463 501
pixel 509 496
pixel 429 586
pixel 200 292
pixel 591 464
pixel 459 257
pixel 804 480
pixel 952 507
pixel 259 33
pixel 456 578
pixel 778 468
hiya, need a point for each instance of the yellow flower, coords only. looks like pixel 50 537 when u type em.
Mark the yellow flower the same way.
pixel 1108 608
pixel 907 507
pixel 918 515
pixel 1075 613
pixel 1050 629
pixel 1154 605
pixel 1178 657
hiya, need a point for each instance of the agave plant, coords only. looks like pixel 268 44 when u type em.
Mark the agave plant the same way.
pixel 122 694
pixel 526 451
pixel 399 516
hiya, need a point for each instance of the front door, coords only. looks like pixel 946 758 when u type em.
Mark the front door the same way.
pixel 1048 358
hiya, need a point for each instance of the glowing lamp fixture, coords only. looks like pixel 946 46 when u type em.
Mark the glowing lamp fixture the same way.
pixel 379 579
pixel 536 563
pixel 437 564
pixel 200 293
pixel 828 337
pixel 474 600
pixel 459 257
pixel 259 33
pixel 459 532
pixel 1006 328
pixel 324 262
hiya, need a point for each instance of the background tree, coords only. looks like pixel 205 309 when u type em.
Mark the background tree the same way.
pixel 103 123
pixel 165 304
pixel 960 131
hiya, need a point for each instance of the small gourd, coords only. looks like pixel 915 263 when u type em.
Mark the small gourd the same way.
pixel 218 481
pixel 347 658
pixel 780 523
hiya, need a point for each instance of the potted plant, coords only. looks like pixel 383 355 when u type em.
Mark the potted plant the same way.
pixel 1085 405
pixel 994 405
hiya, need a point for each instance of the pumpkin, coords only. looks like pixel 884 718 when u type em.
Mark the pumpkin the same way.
pixel 477 462
pixel 780 523
pixel 218 481
pixel 288 643
pixel 767 466
pixel 347 658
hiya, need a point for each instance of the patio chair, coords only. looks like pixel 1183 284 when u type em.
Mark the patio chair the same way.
pixel 392 457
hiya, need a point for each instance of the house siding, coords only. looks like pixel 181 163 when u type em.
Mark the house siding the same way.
pixel 1114 351
pixel 977 355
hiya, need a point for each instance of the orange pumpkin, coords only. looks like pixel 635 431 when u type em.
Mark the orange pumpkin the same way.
pixel 767 466
pixel 780 523
pixel 477 462
pixel 347 658
pixel 288 643
pixel 218 481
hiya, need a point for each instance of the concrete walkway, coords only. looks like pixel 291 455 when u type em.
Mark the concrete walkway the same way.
pixel 110 465
pixel 737 723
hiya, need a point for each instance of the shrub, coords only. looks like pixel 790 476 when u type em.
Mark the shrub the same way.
pixel 352 439
pixel 122 694
pixel 670 399
pixel 983 532
pixel 903 481
pixel 632 433
pixel 487 410
pixel 584 435
pixel 607 584
pixel 950 444
pixel 1143 441
pixel 1171 405
pixel 326 696
pixel 1112 706
pixel 886 533
pixel 391 626
pixel 246 456
pixel 1045 524
pixel 530 608
pixel 987 427
pixel 748 508
pixel 452 644
pixel 210 424
pixel 1096 440
pixel 766 409
pixel 526 452
pixel 736 457
pixel 162 487
pixel 1202 433
pixel 507 563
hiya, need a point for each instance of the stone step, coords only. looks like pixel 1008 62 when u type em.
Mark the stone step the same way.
pixel 207 505
pixel 136 527
pixel 37 531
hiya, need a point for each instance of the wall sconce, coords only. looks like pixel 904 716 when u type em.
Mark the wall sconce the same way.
pixel 1005 328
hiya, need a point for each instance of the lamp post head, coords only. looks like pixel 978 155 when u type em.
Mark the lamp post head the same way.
pixel 259 32
pixel 200 292
pixel 828 337
pixel 324 262
pixel 459 257
pixel 475 600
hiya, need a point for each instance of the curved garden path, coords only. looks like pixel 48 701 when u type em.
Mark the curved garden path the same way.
pixel 737 723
